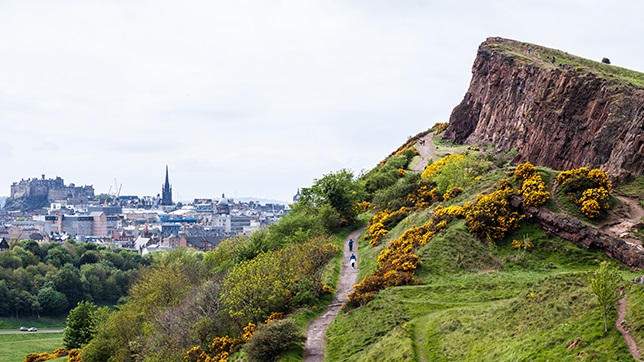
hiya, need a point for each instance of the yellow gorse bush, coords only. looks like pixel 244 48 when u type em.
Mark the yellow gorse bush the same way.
pixel 524 171
pixel 534 191
pixel 377 230
pixel 220 347
pixel 491 217
pixel 593 199
pixel 37 357
pixel 435 166
pixel 398 261
pixel 533 188
pixel 522 244
pixel 362 206
pixel 440 127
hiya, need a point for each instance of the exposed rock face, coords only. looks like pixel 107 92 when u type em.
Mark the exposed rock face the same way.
pixel 587 237
pixel 554 115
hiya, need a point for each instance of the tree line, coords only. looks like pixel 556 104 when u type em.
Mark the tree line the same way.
pixel 51 278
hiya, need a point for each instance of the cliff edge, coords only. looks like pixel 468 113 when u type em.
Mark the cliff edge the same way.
pixel 556 109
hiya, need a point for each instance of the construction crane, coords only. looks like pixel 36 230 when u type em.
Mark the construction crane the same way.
pixel 117 189
pixel 107 196
pixel 117 192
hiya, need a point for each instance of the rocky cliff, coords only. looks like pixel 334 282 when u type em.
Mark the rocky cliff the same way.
pixel 555 109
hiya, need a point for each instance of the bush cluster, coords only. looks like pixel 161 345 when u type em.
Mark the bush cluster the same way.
pixel 398 262
pixel 492 216
pixel 383 221
pixel 440 127
pixel 587 188
pixel 38 357
pixel 220 348
pixel 434 167
pixel 533 188
pixel 418 196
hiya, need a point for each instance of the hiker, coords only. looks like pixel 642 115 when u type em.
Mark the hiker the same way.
pixel 351 244
pixel 352 259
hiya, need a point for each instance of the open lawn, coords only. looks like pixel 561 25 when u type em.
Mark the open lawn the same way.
pixel 14 347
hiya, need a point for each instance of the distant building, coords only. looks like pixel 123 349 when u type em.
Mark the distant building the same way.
pixel 4 244
pixel 236 224
pixel 166 191
pixel 202 243
pixel 32 194
pixel 82 226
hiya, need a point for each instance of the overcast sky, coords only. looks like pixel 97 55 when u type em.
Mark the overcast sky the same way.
pixel 254 98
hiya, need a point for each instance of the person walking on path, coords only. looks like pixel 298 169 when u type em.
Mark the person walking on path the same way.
pixel 314 346
pixel 351 244
pixel 352 259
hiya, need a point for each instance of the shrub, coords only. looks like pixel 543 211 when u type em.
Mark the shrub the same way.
pixel 534 191
pixel 74 356
pixel 524 171
pixel 591 209
pixel 271 339
pixel 440 127
pixel 491 217
pixel 587 188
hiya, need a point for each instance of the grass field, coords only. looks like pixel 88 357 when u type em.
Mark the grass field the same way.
pixel 14 347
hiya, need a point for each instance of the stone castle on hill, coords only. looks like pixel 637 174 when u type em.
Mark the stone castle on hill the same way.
pixel 36 193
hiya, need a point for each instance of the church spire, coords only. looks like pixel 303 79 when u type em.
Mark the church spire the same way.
pixel 166 191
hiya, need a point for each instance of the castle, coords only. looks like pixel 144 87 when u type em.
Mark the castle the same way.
pixel 44 191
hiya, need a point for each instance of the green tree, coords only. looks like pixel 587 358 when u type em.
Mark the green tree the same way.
pixel 338 190
pixel 68 282
pixel 80 327
pixel 606 283
pixel 52 301
pixel 5 299
pixel 255 288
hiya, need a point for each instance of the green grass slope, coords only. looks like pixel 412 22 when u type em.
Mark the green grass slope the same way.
pixel 477 302
pixel 482 304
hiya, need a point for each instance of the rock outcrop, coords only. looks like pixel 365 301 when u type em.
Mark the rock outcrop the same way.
pixel 560 112
pixel 586 236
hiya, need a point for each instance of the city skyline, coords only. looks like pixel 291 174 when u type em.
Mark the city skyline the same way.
pixel 254 99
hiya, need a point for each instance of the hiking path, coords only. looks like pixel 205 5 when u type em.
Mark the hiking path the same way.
pixel 314 346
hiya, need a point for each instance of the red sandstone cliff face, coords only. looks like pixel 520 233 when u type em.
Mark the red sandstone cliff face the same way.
pixel 555 115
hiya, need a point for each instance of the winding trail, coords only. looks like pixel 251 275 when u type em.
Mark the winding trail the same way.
pixel 314 346
pixel 425 151
pixel 619 323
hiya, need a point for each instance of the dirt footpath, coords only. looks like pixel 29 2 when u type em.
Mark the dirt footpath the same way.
pixel 314 346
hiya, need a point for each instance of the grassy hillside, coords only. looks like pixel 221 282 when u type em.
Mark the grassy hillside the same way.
pixel 481 301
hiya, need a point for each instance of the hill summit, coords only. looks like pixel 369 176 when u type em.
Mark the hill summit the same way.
pixel 557 110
